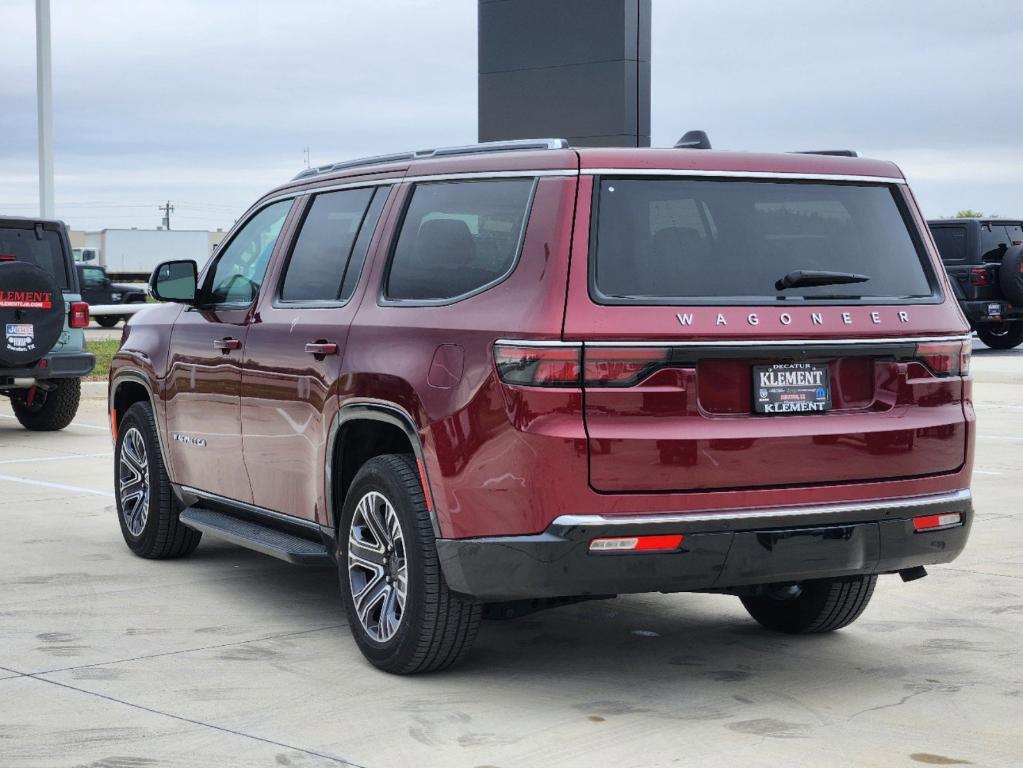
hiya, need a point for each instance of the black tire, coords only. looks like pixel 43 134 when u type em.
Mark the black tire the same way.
pixel 47 410
pixel 1010 275
pixel 819 606
pixel 436 628
pixel 161 534
pixel 1001 335
pixel 108 321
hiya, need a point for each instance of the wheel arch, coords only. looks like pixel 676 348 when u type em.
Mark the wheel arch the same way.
pixel 130 387
pixel 361 431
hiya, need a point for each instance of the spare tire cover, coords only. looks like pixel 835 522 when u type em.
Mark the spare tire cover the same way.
pixel 1010 278
pixel 31 313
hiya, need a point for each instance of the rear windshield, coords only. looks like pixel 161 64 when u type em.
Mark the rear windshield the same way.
pixel 45 251
pixel 996 239
pixel 719 241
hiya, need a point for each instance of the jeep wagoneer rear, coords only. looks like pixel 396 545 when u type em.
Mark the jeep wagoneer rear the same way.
pixel 774 390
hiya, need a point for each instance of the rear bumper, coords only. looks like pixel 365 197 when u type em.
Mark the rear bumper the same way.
pixel 59 366
pixel 981 311
pixel 719 551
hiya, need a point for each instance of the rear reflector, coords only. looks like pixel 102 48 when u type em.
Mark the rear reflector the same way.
pixel 937 522
pixel 638 544
pixel 539 366
pixel 8 257
pixel 946 358
pixel 78 317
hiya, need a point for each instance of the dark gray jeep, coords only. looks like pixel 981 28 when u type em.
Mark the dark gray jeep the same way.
pixel 42 351
pixel 984 258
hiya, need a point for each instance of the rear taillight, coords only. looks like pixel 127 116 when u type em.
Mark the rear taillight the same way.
pixel 979 276
pixel 621 366
pixel 78 316
pixel 539 365
pixel 937 522
pixel 8 257
pixel 566 364
pixel 946 358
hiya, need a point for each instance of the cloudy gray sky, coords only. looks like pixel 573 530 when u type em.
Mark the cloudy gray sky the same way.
pixel 211 103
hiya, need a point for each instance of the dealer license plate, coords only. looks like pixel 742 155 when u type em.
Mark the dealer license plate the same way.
pixel 791 388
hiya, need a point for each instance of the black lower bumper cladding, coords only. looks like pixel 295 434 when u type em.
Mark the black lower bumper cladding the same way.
pixel 719 551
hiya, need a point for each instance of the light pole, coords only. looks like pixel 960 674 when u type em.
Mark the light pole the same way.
pixel 44 95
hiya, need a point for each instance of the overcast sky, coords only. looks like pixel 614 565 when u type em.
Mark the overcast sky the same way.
pixel 209 104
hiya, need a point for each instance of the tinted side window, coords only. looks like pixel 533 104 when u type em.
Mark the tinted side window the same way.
pixel 240 267
pixel 93 278
pixel 45 252
pixel 951 242
pixel 458 237
pixel 321 253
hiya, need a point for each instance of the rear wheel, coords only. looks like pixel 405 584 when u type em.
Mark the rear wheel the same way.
pixel 400 611
pixel 1001 335
pixel 108 321
pixel 813 606
pixel 146 508
pixel 47 410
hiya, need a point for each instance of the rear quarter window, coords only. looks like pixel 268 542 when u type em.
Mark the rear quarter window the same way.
pixel 45 251
pixel 691 241
pixel 457 238
pixel 951 242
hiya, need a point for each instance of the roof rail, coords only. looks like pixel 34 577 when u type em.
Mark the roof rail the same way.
pixel 420 154
pixel 832 152
pixel 693 140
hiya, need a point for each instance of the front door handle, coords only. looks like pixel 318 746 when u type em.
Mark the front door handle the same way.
pixel 321 348
pixel 226 345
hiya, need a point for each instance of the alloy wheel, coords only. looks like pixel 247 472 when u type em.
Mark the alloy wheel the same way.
pixel 377 567
pixel 133 481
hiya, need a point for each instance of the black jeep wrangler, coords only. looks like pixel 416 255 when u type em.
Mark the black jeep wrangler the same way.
pixel 42 351
pixel 984 258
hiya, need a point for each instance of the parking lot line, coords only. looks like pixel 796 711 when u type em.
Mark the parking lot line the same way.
pixel 73 424
pixel 56 486
pixel 57 458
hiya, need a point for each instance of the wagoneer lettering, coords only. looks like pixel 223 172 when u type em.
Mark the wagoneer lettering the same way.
pixel 500 378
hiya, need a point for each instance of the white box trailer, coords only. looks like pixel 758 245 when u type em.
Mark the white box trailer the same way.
pixel 134 253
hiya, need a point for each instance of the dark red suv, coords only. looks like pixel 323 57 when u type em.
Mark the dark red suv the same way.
pixel 489 379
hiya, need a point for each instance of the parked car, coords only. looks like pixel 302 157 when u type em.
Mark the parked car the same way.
pixel 984 259
pixel 99 289
pixel 490 379
pixel 42 353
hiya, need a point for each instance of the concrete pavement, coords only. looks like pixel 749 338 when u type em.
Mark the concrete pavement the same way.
pixel 229 658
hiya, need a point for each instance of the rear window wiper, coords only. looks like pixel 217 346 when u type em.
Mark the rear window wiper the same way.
pixel 803 278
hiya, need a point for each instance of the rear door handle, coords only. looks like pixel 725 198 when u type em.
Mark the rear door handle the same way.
pixel 321 348
pixel 226 345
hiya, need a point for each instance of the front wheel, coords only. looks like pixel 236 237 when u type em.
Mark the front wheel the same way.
pixel 47 410
pixel 146 508
pixel 813 606
pixel 1001 335
pixel 400 611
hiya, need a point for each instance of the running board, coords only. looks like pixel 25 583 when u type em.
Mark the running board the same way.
pixel 257 537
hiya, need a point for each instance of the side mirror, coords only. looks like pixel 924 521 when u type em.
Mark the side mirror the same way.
pixel 175 281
